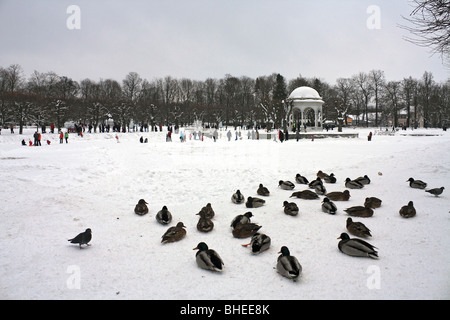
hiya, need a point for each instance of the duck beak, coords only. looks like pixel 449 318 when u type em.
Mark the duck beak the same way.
pixel 195 248
pixel 338 237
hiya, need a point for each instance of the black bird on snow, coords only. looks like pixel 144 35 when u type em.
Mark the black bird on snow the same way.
pixel 436 191
pixel 82 238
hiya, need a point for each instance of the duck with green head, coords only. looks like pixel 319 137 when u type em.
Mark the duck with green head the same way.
pixel 287 265
pixel 208 259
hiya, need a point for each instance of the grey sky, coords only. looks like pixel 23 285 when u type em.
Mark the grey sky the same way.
pixel 198 39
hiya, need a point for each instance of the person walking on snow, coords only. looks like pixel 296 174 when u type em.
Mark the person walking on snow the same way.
pixel 66 136
pixel 229 135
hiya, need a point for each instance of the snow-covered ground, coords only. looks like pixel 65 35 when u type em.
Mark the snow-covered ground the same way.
pixel 51 193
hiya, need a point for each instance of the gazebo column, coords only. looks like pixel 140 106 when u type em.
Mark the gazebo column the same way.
pixel 316 114
pixel 303 120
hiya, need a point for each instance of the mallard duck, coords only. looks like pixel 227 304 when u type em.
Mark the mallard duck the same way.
pixel 82 238
pixel 408 211
pixel 320 174
pixel 315 182
pixel 245 230
pixel 357 228
pixel 164 216
pixel 253 202
pixel 262 191
pixel 290 208
pixel 363 180
pixel 204 224
pixel 372 202
pixel 328 206
pixel 241 219
pixel 359 211
pixel 286 185
pixel 141 207
pixel 301 179
pixel 174 233
pixel 208 211
pixel 338 195
pixel 351 184
pixel 418 184
pixel 320 189
pixel 237 197
pixel 356 247
pixel 259 243
pixel 330 179
pixel 208 258
pixel 436 191
pixel 287 265
pixel 305 194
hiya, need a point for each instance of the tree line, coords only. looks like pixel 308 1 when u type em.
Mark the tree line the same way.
pixel 48 98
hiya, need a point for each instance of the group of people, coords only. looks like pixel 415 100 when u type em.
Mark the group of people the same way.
pixel 37 139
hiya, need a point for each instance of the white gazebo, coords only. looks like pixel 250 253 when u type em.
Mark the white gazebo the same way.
pixel 303 101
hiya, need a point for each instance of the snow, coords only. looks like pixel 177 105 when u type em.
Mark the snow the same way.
pixel 53 192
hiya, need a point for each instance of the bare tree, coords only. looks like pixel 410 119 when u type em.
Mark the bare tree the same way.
pixel 364 86
pixel 430 26
pixel 408 86
pixel 392 89
pixel 377 81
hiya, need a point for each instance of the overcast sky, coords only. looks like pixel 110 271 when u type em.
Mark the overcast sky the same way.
pixel 200 39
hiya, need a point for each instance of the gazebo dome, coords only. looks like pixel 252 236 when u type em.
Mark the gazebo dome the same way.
pixel 304 93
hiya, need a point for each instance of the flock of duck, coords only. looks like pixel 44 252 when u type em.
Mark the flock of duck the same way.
pixel 242 227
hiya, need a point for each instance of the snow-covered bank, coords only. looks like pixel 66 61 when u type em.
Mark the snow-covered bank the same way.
pixel 51 193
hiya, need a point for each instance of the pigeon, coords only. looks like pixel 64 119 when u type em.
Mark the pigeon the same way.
pixel 82 238
pixel 436 191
